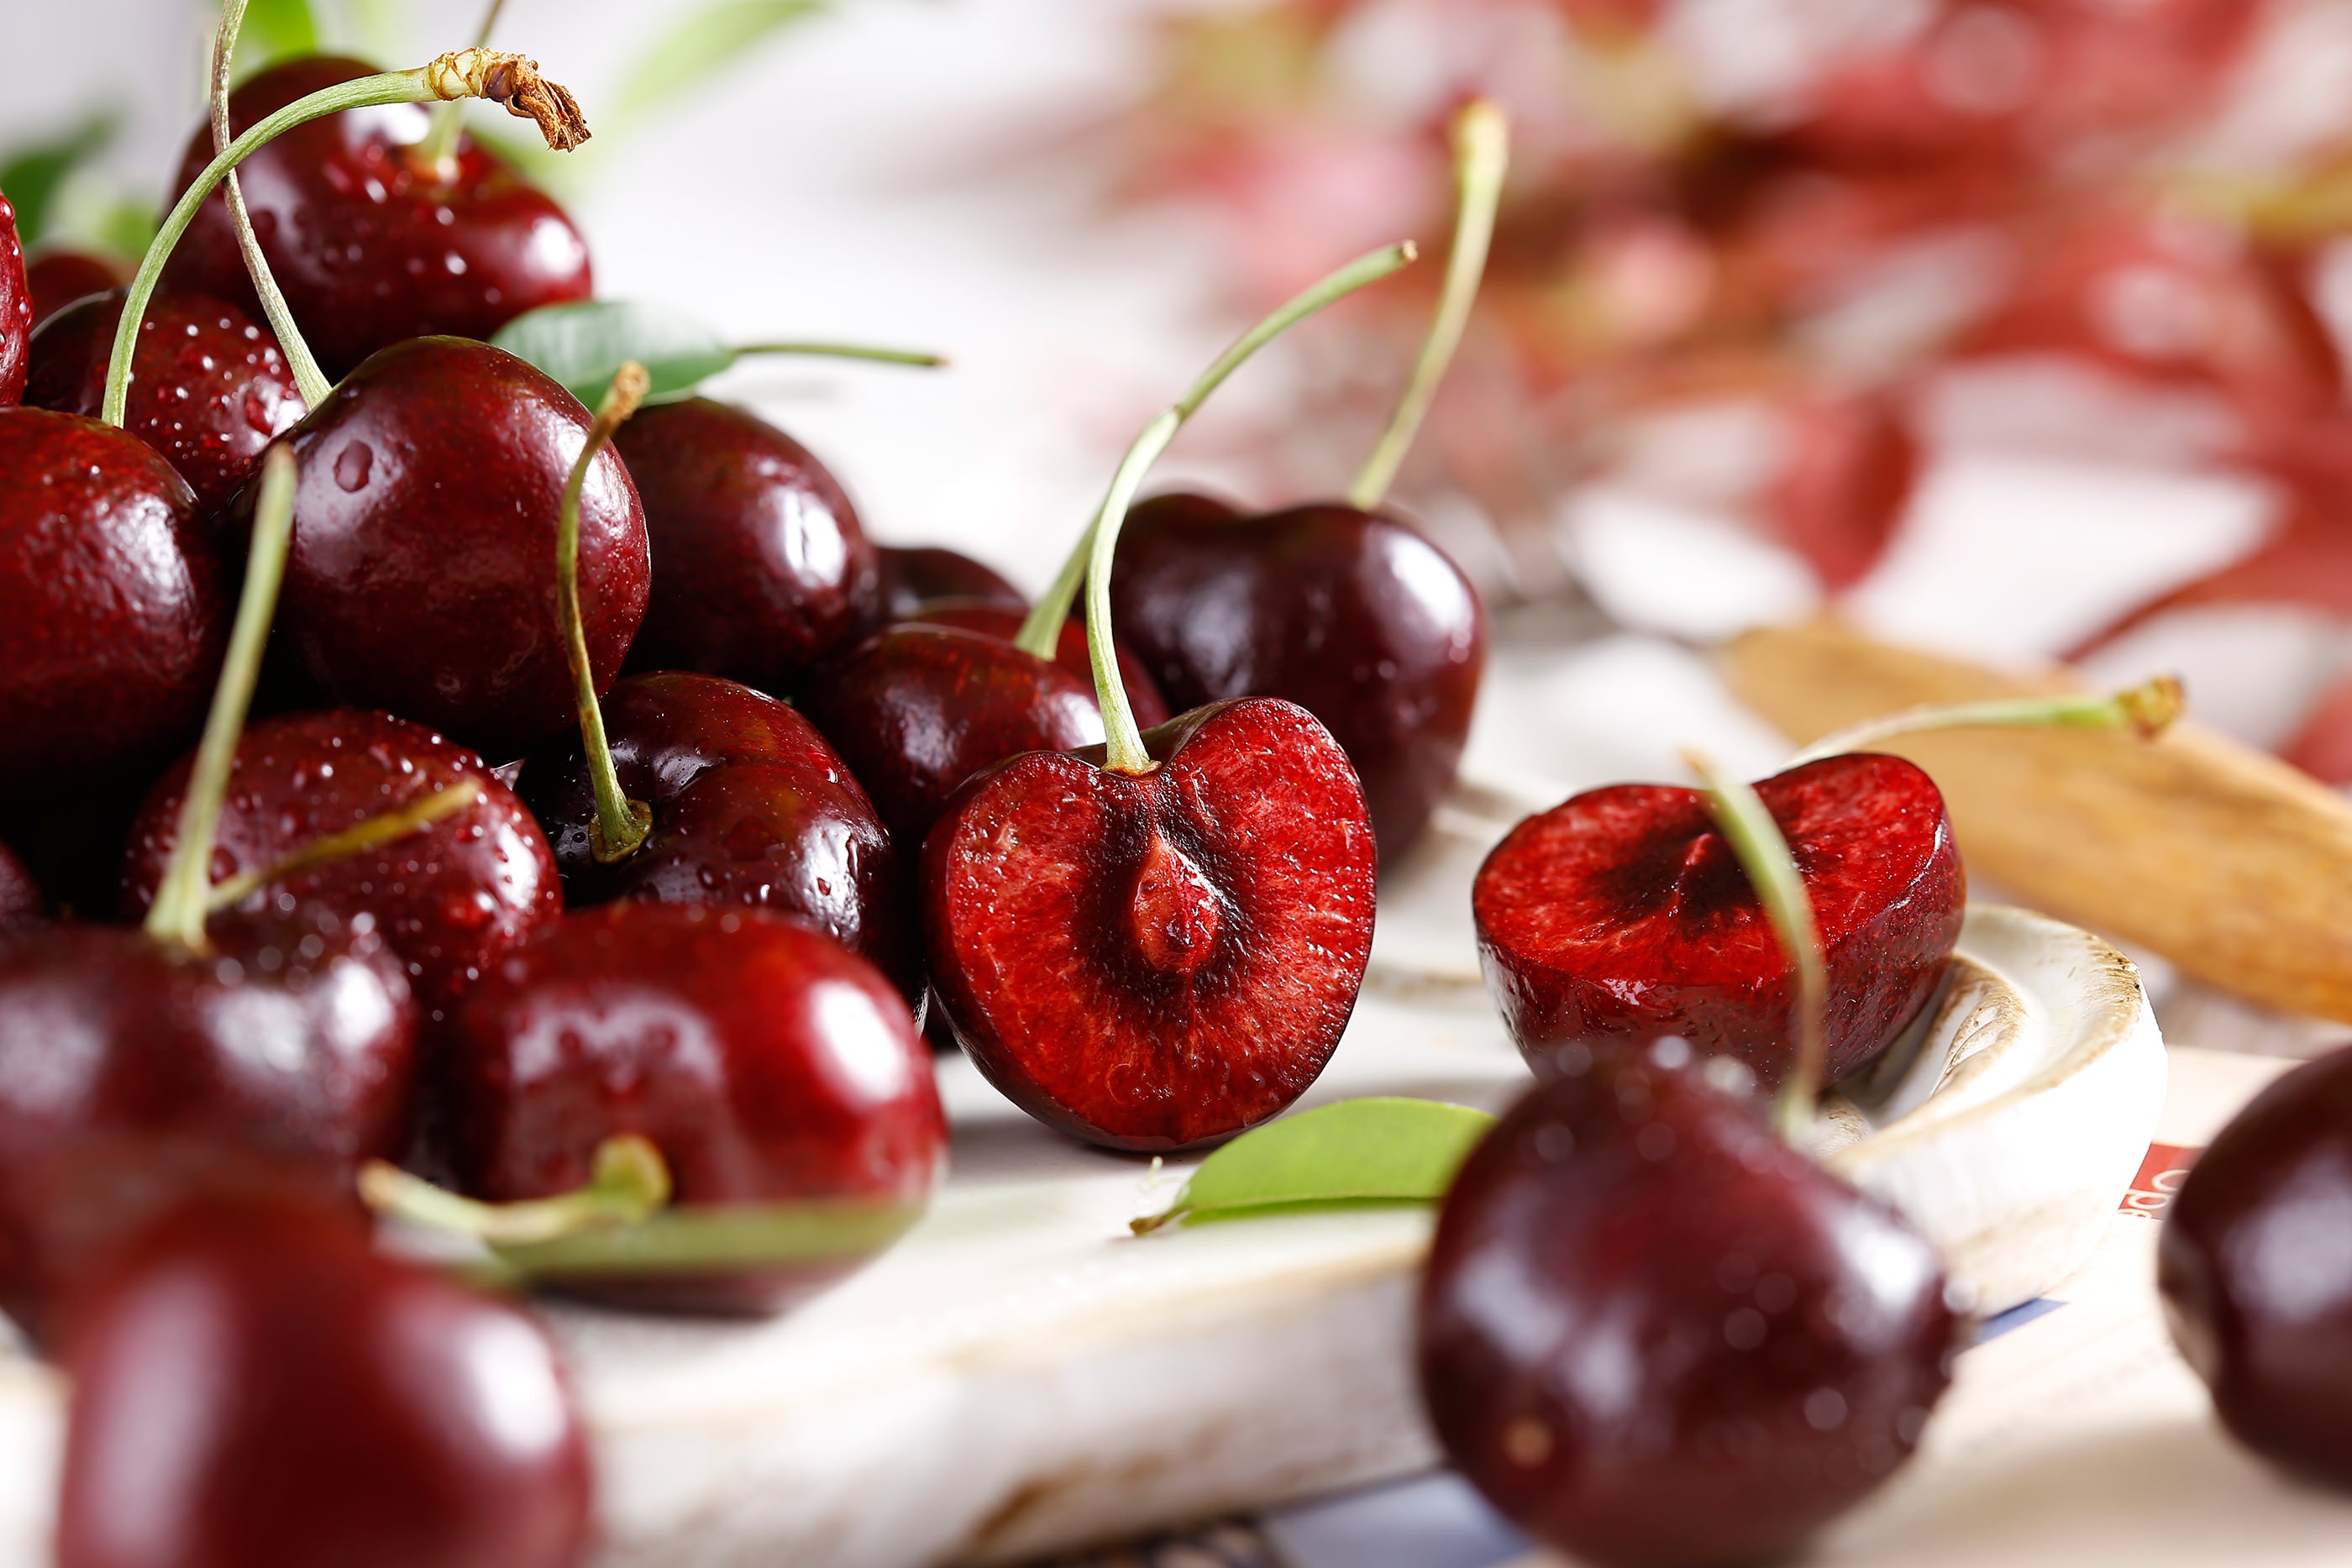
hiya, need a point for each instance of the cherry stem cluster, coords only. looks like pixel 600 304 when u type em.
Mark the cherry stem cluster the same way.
pixel 309 379
pixel 439 151
pixel 468 73
pixel 628 1184
pixel 182 899
pixel 622 824
pixel 1482 152
pixel 1763 852
pixel 2146 710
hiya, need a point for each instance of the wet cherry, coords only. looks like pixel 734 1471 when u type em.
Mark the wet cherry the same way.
pixel 15 307
pixel 914 575
pixel 1003 620
pixel 22 908
pixel 58 277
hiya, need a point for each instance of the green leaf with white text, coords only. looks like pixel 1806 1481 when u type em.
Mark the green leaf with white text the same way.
pixel 582 343
pixel 1378 1150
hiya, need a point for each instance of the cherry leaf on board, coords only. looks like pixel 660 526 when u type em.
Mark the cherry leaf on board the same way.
pixel 583 342
pixel 1376 1150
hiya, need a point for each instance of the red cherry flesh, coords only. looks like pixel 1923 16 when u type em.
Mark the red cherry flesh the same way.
pixel 58 277
pixel 208 389
pixel 422 579
pixel 915 710
pixel 114 606
pixel 272 1390
pixel 914 575
pixel 759 566
pixel 16 308
pixel 1352 615
pixel 369 243
pixel 1004 621
pixel 1657 1337
pixel 767 1063
pixel 1156 962
pixel 1623 915
pixel 450 899
pixel 751 806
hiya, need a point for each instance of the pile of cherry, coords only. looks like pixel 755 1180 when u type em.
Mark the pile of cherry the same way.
pixel 587 811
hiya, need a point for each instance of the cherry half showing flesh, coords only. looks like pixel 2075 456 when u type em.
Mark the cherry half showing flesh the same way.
pixel 1656 1336
pixel 272 1390
pixel 1623 915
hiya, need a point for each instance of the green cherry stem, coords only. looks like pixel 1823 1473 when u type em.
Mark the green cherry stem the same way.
pixel 915 357
pixel 439 151
pixel 621 824
pixel 628 1184
pixel 468 73
pixel 1771 870
pixel 309 379
pixel 2146 709
pixel 1482 151
pixel 181 903
pixel 1041 632
pixel 373 832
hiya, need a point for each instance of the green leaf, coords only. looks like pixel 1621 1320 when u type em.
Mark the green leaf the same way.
pixel 275 30
pixel 30 179
pixel 582 343
pixel 708 41
pixel 700 1239
pixel 1381 1150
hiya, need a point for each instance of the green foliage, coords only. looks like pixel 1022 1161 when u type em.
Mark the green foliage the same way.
pixel 582 343
pixel 275 30
pixel 32 178
pixel 1379 1150
pixel 704 44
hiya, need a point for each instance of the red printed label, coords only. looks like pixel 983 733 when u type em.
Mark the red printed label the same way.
pixel 2159 1178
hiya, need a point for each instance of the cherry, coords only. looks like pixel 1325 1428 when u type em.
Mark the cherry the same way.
pixel 765 1063
pixel 1656 1336
pixel 58 277
pixel 1004 621
pixel 759 566
pixel 15 307
pixel 372 241
pixel 209 388
pixel 2252 1287
pixel 1623 913
pixel 22 908
pixel 914 575
pixel 449 898
pixel 917 709
pixel 271 1390
pixel 113 606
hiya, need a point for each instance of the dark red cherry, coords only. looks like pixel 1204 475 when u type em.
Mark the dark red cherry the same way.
pixel 1352 615
pixel 58 277
pixel 915 710
pixel 208 388
pixel 135 1074
pixel 450 899
pixel 1657 1337
pixel 749 807
pixel 1156 961
pixel 114 606
pixel 2251 1269
pixel 422 575
pixel 22 908
pixel 766 1063
pixel 272 1390
pixel 1623 915
pixel 759 566
pixel 913 575
pixel 1004 621
pixel 15 307
pixel 370 242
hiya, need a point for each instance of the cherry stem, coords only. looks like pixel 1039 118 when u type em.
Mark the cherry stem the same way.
pixel 2146 710
pixel 1482 151
pixel 628 1184
pixel 374 832
pixel 1041 633
pixel 439 151
pixel 1771 870
pixel 468 73
pixel 309 379
pixel 181 899
pixel 847 351
pixel 622 824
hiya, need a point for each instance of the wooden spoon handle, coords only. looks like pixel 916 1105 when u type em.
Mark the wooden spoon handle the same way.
pixel 2229 863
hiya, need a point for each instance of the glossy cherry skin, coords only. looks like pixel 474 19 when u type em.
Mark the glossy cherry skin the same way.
pixel 450 899
pixel 915 710
pixel 16 308
pixel 1352 615
pixel 22 908
pixel 369 244
pixel 1002 620
pixel 914 575
pixel 2251 1275
pixel 58 277
pixel 133 1075
pixel 759 566
pixel 209 388
pixel 1623 915
pixel 114 605
pixel 767 1062
pixel 1657 1337
pixel 750 807
pixel 273 1390
pixel 1156 962
pixel 422 579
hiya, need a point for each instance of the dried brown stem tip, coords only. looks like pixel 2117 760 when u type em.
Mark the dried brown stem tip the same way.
pixel 514 81
pixel 2152 708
